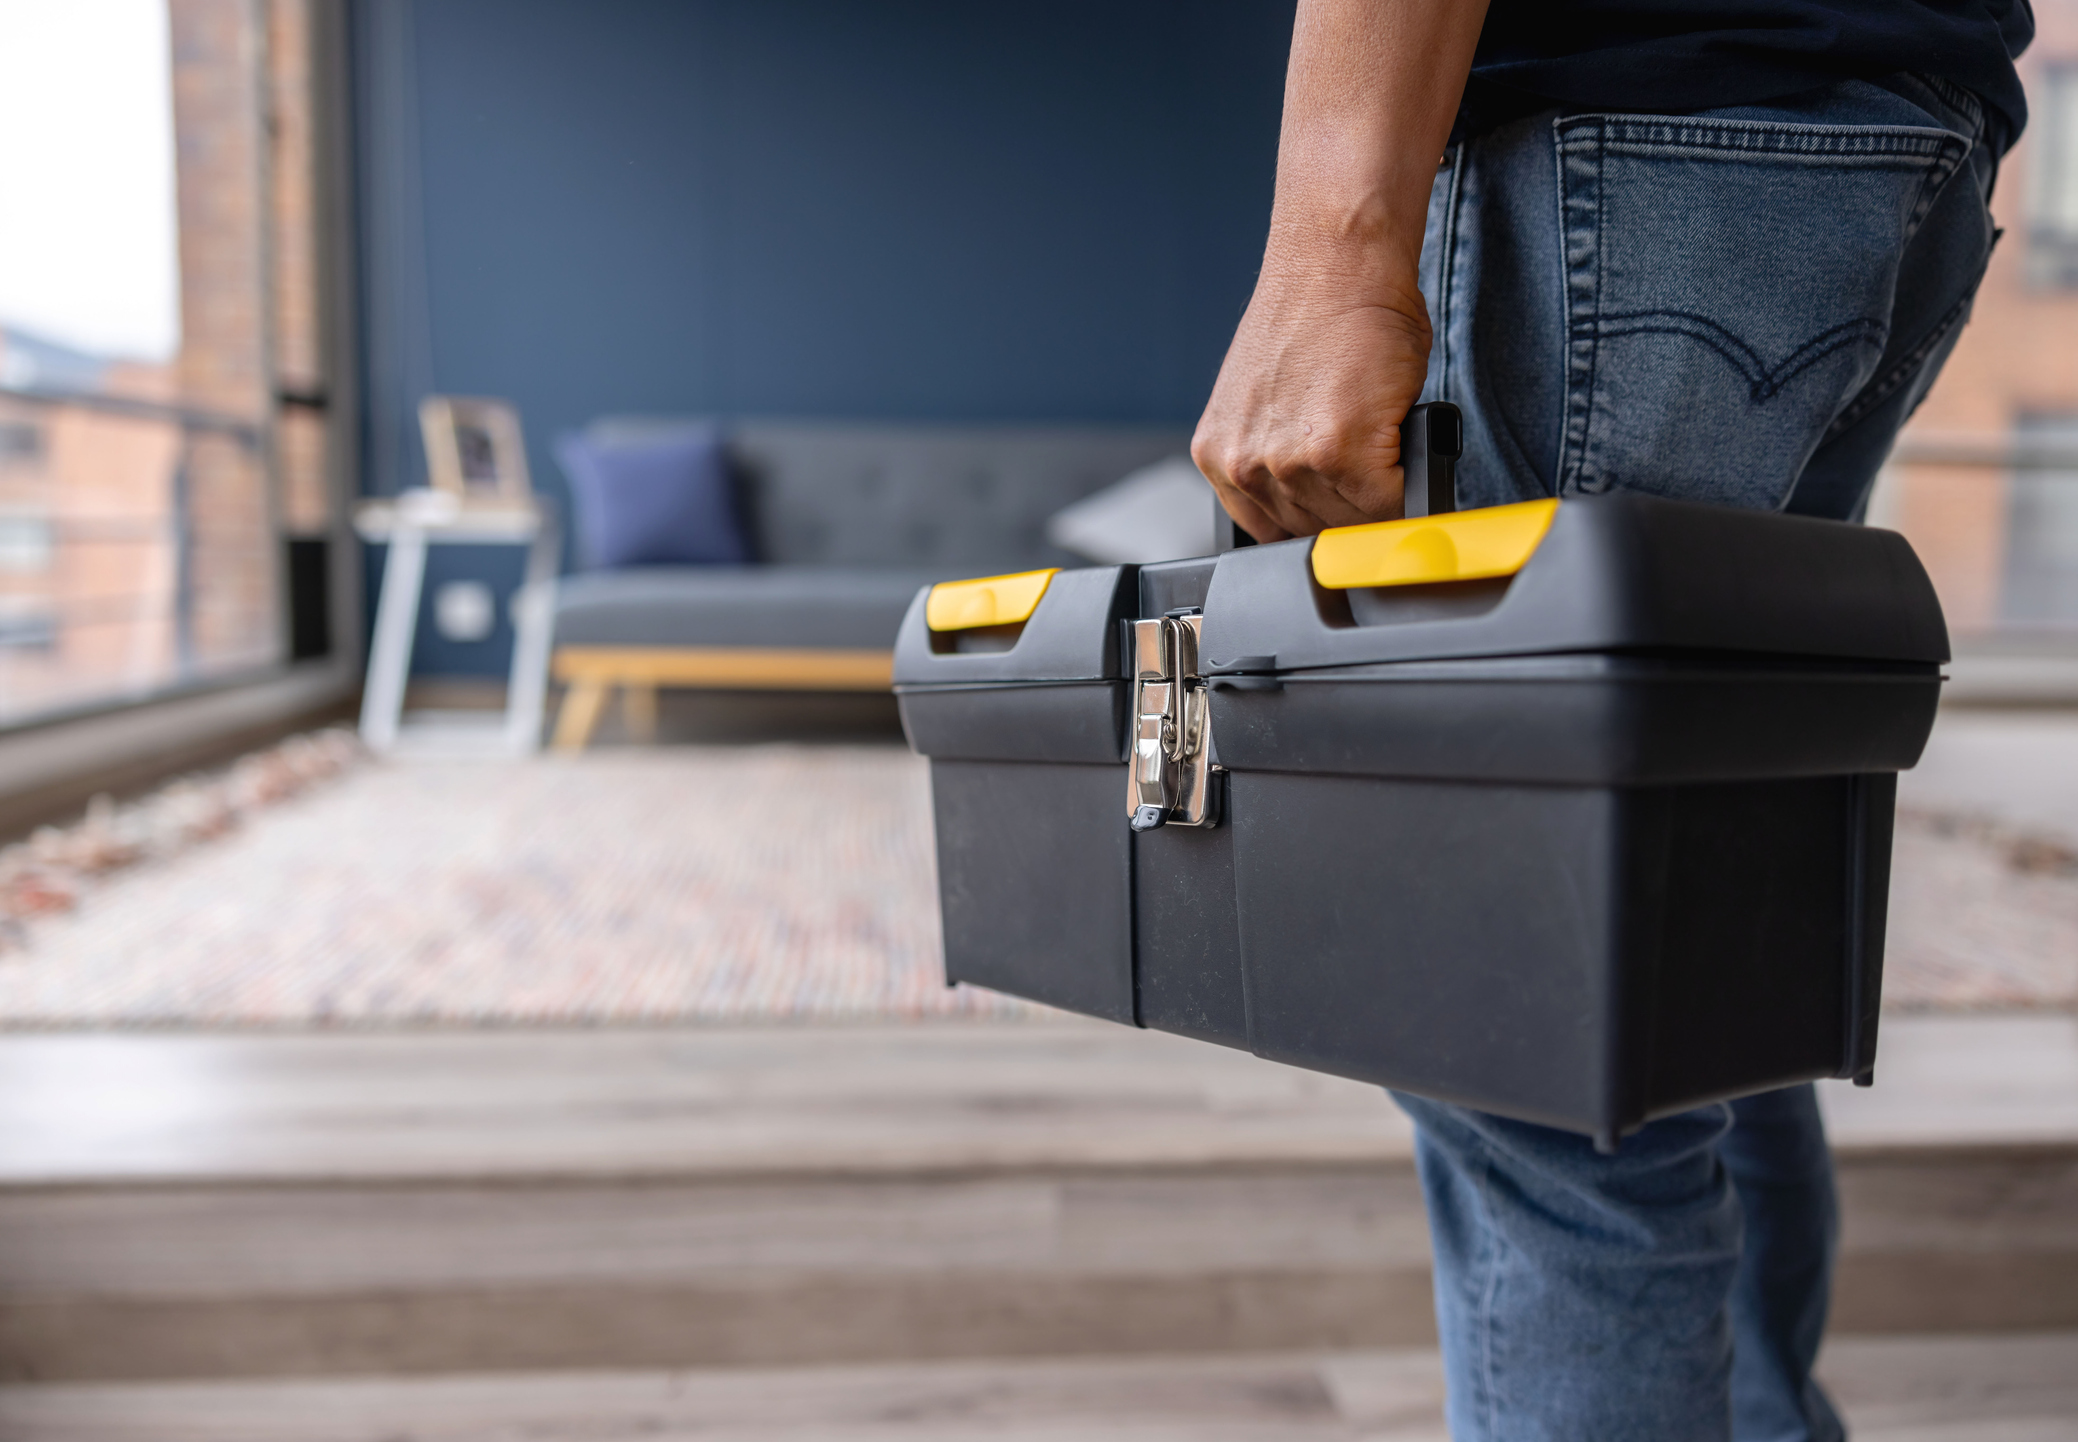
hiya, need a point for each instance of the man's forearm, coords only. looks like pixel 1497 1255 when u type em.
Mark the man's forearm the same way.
pixel 1303 427
pixel 1370 96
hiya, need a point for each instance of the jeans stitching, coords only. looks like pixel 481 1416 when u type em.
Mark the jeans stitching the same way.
pixel 1563 460
pixel 1883 387
pixel 1939 155
pixel 1943 169
pixel 1958 99
pixel 1581 396
pixel 1594 361
pixel 1446 279
pixel 1763 383
pixel 1759 137
pixel 1490 1235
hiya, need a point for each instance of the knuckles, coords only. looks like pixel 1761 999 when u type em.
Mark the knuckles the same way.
pixel 1269 469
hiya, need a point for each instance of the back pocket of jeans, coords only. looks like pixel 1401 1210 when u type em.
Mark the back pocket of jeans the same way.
pixel 1728 290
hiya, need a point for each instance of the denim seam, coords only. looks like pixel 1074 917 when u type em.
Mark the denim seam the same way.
pixel 1560 461
pixel 1446 278
pixel 1490 1233
pixel 1763 382
pixel 1756 137
pixel 1583 354
pixel 1945 165
pixel 1876 392
pixel 1937 154
pixel 1962 101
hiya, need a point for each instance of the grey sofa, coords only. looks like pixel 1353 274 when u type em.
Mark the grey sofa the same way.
pixel 847 522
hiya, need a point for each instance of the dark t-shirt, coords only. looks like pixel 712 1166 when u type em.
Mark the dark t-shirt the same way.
pixel 1676 56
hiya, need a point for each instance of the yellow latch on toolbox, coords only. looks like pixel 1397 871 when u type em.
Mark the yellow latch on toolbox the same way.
pixel 988 601
pixel 1459 546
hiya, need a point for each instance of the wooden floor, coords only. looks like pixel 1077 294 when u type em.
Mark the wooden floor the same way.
pixel 88 1109
pixel 2018 1388
pixel 216 1207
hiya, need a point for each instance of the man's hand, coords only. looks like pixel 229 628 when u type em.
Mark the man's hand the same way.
pixel 1303 428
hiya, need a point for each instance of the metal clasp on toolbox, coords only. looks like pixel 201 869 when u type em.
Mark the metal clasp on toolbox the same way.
pixel 1169 774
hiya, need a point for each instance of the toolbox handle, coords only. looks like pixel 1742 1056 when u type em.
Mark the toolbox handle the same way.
pixel 1432 439
pixel 1476 545
pixel 987 601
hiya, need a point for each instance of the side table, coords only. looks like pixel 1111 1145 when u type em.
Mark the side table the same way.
pixel 411 523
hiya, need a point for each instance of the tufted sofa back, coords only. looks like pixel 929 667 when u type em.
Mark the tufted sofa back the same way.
pixel 919 496
pixel 926 496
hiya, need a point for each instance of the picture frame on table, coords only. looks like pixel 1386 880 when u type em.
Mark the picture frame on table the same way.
pixel 475 451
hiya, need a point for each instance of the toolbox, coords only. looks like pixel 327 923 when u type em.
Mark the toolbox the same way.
pixel 1575 811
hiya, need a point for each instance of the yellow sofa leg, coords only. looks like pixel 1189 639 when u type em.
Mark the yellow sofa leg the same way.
pixel 579 714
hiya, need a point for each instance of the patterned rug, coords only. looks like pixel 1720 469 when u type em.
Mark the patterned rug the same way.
pixel 1983 915
pixel 708 883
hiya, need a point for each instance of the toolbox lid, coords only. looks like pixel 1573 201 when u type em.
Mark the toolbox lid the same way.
pixel 1032 626
pixel 1616 572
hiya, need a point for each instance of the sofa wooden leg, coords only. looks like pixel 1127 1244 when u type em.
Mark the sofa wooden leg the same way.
pixel 579 714
pixel 639 710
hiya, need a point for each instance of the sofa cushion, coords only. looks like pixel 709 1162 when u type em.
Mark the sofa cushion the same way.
pixel 652 500
pixel 973 500
pixel 1161 512
pixel 838 608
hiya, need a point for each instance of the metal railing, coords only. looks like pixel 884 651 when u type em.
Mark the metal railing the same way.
pixel 174 582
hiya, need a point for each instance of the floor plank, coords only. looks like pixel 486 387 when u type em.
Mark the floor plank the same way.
pixel 632 1103
pixel 868 1099
pixel 435 1203
pixel 2012 1389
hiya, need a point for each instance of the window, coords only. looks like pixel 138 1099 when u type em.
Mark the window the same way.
pixel 2041 582
pixel 2052 188
pixel 152 320
pixel 25 545
pixel 20 441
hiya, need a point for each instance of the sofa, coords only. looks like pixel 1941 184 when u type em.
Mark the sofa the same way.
pixel 846 521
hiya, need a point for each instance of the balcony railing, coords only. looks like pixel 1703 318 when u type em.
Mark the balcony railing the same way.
pixel 156 565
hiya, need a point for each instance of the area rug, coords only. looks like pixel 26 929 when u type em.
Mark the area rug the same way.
pixel 625 885
pixel 1983 915
pixel 710 884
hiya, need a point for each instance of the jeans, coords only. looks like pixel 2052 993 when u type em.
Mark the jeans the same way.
pixel 1739 306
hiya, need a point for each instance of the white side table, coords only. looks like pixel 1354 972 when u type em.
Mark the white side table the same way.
pixel 411 523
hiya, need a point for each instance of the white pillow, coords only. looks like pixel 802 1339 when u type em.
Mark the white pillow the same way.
pixel 1161 512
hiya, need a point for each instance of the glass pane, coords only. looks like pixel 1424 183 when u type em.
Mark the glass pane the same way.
pixel 2052 177
pixel 137 545
pixel 90 284
pixel 2042 528
pixel 89 556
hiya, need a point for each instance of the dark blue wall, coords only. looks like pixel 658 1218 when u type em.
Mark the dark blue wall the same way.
pixel 861 208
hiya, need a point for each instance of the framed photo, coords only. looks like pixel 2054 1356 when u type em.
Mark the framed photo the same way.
pixel 474 451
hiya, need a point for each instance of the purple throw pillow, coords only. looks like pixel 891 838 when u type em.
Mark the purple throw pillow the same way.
pixel 653 502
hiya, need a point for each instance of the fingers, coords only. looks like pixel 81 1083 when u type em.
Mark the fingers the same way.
pixel 1345 499
pixel 1302 430
pixel 1249 516
pixel 1290 498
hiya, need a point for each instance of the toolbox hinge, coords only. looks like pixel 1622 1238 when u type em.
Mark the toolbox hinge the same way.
pixel 1169 772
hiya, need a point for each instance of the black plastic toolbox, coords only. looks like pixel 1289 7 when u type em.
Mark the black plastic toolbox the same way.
pixel 1573 811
